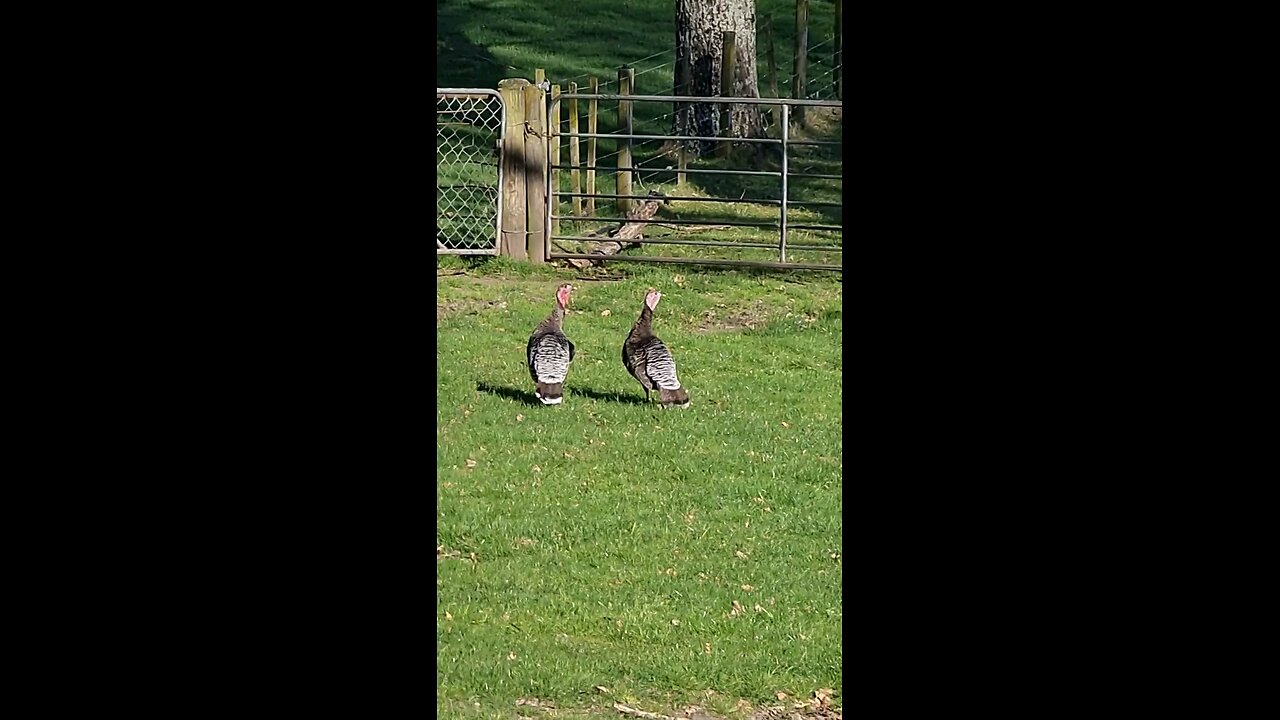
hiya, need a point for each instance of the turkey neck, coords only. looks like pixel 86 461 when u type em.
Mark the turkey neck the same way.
pixel 555 320
pixel 644 324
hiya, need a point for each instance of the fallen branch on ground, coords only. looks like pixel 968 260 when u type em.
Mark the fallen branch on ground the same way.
pixel 640 713
pixel 692 228
pixel 626 231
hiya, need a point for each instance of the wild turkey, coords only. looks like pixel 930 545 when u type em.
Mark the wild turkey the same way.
pixel 550 352
pixel 649 361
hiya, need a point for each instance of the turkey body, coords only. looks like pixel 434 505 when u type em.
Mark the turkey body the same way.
pixel 549 355
pixel 550 352
pixel 649 360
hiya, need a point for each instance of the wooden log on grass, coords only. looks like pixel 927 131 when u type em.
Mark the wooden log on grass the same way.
pixel 624 232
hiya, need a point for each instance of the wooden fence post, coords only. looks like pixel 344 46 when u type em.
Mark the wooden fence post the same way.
pixel 802 57
pixel 624 151
pixel 728 56
pixel 575 153
pixel 514 202
pixel 835 56
pixel 554 160
pixel 593 111
pixel 535 170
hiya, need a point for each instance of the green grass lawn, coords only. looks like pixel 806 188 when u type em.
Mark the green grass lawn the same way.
pixel 607 551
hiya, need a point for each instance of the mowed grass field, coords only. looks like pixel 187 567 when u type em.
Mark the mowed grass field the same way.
pixel 607 551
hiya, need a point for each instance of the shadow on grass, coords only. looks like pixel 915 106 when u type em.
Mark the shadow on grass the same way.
pixel 510 393
pixel 610 396
pixel 528 398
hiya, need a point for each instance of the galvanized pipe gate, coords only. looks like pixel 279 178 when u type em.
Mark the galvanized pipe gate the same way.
pixel 784 202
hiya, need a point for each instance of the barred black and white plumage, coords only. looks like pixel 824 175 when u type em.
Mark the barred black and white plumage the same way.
pixel 550 352
pixel 649 360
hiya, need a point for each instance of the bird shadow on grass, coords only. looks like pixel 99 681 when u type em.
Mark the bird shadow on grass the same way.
pixel 610 396
pixel 528 398
pixel 509 393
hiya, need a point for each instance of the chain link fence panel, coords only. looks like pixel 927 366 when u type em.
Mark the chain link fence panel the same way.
pixel 469 125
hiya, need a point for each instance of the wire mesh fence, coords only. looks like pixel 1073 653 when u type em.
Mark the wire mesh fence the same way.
pixel 469 124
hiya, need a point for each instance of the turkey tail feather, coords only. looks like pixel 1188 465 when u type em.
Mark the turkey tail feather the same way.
pixel 550 393
pixel 674 398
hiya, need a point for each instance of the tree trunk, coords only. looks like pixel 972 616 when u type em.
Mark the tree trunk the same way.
pixel 699 28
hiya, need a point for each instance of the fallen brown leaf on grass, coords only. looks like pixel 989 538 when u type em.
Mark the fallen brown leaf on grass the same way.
pixel 736 610
pixel 471 463
pixel 519 418
pixel 605 313
pixel 602 689
pixel 747 588
pixel 741 555
pixel 448 615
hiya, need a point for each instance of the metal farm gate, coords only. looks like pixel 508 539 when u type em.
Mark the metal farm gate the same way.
pixel 775 206
pixel 469 130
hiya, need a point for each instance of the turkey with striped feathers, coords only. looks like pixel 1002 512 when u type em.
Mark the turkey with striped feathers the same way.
pixel 549 352
pixel 649 361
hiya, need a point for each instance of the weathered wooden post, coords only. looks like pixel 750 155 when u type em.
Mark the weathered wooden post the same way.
pixel 514 202
pixel 624 152
pixel 535 171
pixel 554 160
pixel 575 153
pixel 593 110
pixel 835 56
pixel 802 56
pixel 728 56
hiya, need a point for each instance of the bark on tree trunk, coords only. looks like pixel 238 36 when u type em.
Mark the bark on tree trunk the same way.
pixel 699 28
